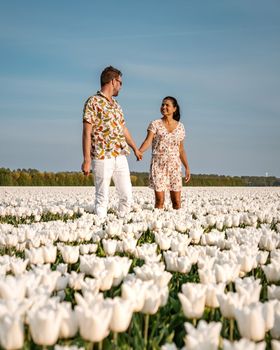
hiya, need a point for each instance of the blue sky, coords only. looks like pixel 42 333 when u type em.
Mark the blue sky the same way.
pixel 220 59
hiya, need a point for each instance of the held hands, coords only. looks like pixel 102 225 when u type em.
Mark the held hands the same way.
pixel 86 167
pixel 138 154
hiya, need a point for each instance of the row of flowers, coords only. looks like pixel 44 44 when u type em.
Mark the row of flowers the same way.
pixel 59 278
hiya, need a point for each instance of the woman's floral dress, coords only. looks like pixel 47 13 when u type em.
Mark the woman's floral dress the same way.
pixel 165 170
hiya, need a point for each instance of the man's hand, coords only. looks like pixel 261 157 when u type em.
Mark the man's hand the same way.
pixel 138 154
pixel 86 167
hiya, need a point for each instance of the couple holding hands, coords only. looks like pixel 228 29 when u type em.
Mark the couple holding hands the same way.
pixel 106 142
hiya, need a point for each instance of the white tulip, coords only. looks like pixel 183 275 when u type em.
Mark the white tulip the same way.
pixel 193 299
pixel 62 282
pixel 275 330
pixel 251 322
pixel 135 290
pixel 195 234
pixel 70 254
pixel 272 271
pixel 76 280
pixel 35 256
pixel 207 275
pixel 44 325
pixel 275 344
pixel 69 322
pixel 122 311
pixel 106 279
pixel 204 337
pixel 18 266
pixel 250 288
pixel 13 287
pixel 90 327
pixel 129 245
pixel 11 332
pixel 229 302
pixel 273 292
pixel 152 301
pixel 164 241
pixel 109 246
pixel 211 294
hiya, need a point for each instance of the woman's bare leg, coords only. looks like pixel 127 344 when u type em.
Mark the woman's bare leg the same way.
pixel 175 199
pixel 159 199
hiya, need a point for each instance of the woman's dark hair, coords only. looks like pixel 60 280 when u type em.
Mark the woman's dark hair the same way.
pixel 176 114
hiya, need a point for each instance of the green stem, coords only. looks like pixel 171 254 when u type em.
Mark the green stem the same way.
pixel 115 340
pixel 212 316
pixel 231 329
pixel 194 321
pixel 146 328
pixel 100 345
pixel 90 346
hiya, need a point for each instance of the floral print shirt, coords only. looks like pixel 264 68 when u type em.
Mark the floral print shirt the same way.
pixel 107 120
pixel 166 143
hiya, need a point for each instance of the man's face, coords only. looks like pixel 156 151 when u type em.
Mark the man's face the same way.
pixel 117 85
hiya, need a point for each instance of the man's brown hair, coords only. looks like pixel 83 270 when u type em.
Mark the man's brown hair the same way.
pixel 108 74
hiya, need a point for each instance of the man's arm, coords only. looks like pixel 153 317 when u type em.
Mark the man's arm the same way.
pixel 87 128
pixel 131 143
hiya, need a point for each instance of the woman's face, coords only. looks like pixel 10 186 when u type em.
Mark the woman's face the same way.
pixel 167 109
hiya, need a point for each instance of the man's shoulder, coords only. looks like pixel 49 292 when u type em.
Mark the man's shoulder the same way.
pixel 94 100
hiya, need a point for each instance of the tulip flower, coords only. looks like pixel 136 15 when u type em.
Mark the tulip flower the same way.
pixel 193 299
pixel 69 322
pixel 109 246
pixel 18 266
pixel 44 324
pixel 229 302
pixel 275 330
pixel 251 321
pixel 272 271
pixel 122 311
pixel 250 288
pixel 13 287
pixel 211 294
pixel 273 292
pixel 76 280
pixel 11 332
pixel 205 336
pixel 135 291
pixel 70 254
pixel 275 344
pixel 90 327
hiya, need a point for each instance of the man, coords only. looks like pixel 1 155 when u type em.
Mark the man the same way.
pixel 105 144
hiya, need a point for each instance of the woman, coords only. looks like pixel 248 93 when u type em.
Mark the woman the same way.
pixel 167 138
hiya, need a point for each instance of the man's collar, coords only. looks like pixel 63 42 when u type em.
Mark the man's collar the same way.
pixel 100 93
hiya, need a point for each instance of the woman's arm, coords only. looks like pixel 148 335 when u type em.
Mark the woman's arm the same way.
pixel 147 142
pixel 183 157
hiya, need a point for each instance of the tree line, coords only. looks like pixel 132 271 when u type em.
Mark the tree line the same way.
pixel 33 177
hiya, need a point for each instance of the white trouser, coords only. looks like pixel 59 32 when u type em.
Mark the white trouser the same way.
pixel 103 171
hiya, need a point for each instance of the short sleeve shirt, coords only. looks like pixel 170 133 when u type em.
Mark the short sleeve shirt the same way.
pixel 164 142
pixel 107 120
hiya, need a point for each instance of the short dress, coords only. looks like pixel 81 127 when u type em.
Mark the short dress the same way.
pixel 165 169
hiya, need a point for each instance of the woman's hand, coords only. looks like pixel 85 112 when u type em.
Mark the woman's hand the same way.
pixel 188 175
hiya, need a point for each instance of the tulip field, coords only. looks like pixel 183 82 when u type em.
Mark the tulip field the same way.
pixel 206 276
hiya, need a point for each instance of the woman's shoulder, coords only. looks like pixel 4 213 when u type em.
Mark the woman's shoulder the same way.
pixel 181 125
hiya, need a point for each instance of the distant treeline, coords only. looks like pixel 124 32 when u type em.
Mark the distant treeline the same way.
pixel 33 177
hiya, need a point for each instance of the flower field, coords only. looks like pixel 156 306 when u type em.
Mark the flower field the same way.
pixel 204 277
